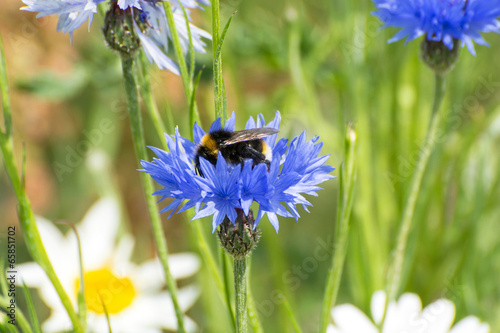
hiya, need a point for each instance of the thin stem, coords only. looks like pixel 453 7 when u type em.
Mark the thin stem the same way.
pixel 416 181
pixel 289 311
pixel 4 88
pixel 240 289
pixel 82 306
pixel 253 315
pixel 186 75
pixel 227 288
pixel 345 201
pixel 140 150
pixel 178 48
pixel 149 102
pixel 26 216
pixel 20 320
pixel 218 81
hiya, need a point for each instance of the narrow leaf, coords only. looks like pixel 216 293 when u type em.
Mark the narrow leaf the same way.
pixel 106 313
pixel 31 310
pixel 290 314
pixel 193 116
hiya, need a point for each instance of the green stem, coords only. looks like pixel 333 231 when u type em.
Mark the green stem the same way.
pixel 178 48
pixel 416 181
pixel 82 306
pixel 289 311
pixel 21 320
pixel 240 288
pixel 218 81
pixel 32 236
pixel 345 201
pixel 227 285
pixel 149 102
pixel 26 217
pixel 186 75
pixel 209 260
pixel 4 88
pixel 140 150
pixel 253 314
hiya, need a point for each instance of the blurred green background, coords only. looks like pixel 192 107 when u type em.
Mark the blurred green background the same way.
pixel 321 63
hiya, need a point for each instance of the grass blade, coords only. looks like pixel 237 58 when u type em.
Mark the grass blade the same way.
pixel 193 112
pixel 290 314
pixel 106 314
pixel 4 88
pixel 82 305
pixel 347 181
pixel 31 310
pixel 20 319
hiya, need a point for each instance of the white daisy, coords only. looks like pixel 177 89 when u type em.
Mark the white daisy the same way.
pixel 132 293
pixel 404 316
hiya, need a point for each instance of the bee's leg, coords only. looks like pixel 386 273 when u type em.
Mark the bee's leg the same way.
pixel 197 167
pixel 256 156
pixel 268 163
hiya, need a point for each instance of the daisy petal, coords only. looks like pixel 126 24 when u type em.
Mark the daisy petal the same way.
pixel 350 319
pixel 470 324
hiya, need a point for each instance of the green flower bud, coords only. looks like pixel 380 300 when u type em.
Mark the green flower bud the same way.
pixel 438 56
pixel 119 29
pixel 241 239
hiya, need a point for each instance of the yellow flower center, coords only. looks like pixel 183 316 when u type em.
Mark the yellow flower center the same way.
pixel 101 286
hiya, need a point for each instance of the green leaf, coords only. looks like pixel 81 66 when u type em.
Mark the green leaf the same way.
pixel 31 310
pixel 107 314
pixel 53 87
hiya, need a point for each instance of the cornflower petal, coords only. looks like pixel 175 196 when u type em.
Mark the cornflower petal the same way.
pixel 230 123
pixel 441 20
pixel 124 4
pixel 255 184
pixel 198 132
pixel 216 125
pixel 71 14
pixel 196 33
pixel 154 54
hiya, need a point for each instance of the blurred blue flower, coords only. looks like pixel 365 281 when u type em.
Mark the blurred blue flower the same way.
pixel 225 188
pixel 71 14
pixel 441 20
pixel 155 40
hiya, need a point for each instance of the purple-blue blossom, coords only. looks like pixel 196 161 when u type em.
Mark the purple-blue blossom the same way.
pixel 296 169
pixel 154 40
pixel 441 20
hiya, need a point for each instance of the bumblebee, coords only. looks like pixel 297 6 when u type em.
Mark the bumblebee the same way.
pixel 235 147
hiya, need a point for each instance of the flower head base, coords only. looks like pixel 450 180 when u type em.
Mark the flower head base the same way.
pixel 441 20
pixel 226 189
pixel 119 26
pixel 438 56
pixel 239 239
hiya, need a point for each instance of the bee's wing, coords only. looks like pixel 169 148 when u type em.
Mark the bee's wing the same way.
pixel 247 135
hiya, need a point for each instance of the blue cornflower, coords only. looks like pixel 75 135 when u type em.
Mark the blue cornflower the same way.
pixel 154 39
pixel 441 20
pixel 225 189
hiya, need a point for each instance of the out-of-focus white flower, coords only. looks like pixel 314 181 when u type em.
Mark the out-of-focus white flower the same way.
pixel 132 293
pixel 404 316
